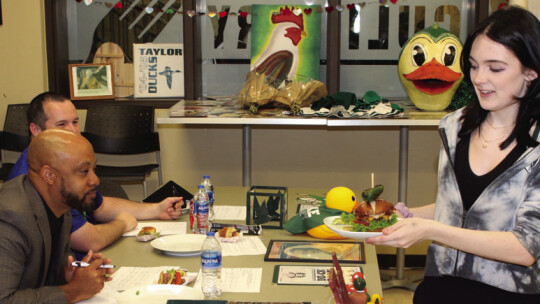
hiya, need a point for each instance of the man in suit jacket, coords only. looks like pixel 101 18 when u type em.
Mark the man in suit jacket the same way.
pixel 35 223
pixel 111 217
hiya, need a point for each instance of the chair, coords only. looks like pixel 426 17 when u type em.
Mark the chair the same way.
pixel 126 131
pixel 15 137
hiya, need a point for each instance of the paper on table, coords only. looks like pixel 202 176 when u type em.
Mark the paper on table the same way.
pixel 230 212
pixel 106 296
pixel 237 280
pixel 247 245
pixel 133 277
pixel 164 228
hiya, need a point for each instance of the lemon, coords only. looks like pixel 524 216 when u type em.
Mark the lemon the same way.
pixel 341 198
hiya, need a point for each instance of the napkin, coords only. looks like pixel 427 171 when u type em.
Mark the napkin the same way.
pixel 106 296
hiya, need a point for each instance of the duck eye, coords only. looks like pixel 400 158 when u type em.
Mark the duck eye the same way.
pixel 449 54
pixel 418 54
pixel 353 198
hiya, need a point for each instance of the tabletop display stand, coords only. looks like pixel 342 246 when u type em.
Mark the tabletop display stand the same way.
pixel 267 206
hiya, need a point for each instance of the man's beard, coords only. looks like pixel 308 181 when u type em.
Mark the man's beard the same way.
pixel 75 202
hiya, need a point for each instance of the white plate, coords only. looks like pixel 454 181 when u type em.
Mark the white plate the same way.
pixel 340 229
pixel 158 294
pixel 180 244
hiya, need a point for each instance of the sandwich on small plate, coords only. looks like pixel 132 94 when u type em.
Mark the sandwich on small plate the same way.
pixel 146 234
pixel 173 276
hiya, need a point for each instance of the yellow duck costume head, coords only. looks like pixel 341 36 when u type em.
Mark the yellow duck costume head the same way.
pixel 429 68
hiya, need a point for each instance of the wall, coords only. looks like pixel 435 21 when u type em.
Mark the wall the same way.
pixel 22 53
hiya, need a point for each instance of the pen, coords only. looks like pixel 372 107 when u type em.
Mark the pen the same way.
pixel 84 264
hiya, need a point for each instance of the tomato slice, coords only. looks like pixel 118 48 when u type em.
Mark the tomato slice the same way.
pixel 177 278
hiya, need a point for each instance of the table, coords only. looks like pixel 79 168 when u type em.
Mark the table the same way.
pixel 128 252
pixel 412 118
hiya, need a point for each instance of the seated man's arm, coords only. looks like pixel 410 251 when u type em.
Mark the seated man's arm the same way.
pixel 167 209
pixel 98 236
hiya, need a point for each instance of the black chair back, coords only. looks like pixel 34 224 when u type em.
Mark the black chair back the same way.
pixel 123 130
pixel 15 135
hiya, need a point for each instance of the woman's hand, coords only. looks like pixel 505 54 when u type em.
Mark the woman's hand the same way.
pixel 404 233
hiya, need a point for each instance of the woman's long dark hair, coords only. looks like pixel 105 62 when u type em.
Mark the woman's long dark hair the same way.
pixel 519 31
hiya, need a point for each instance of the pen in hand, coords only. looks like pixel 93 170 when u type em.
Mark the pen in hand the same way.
pixel 84 264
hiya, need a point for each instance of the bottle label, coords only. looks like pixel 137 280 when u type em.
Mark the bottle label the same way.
pixel 202 207
pixel 211 259
pixel 210 194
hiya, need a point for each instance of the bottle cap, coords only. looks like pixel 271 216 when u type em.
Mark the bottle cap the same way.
pixel 210 233
pixel 200 186
pixel 206 176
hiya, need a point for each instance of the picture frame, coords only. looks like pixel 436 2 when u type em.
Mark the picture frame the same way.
pixel 310 274
pixel 91 81
pixel 315 251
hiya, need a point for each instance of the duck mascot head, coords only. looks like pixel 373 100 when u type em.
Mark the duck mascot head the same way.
pixel 429 68
pixel 338 200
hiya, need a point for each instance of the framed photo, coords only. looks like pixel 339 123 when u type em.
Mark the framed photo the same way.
pixel 91 81
pixel 315 251
pixel 309 274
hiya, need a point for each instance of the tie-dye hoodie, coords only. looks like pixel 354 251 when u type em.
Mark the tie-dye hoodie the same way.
pixel 510 203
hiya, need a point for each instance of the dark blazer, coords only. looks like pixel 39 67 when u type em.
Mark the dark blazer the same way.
pixel 25 247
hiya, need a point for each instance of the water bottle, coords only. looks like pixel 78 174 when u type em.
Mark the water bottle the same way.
pixel 210 191
pixel 211 266
pixel 201 208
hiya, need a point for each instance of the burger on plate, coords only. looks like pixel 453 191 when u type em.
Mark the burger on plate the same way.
pixel 373 216
pixel 146 234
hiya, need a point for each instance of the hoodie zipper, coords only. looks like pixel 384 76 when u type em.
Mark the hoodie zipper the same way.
pixel 444 140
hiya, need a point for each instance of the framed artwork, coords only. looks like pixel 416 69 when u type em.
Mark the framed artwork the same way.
pixel 309 274
pixel 91 81
pixel 315 251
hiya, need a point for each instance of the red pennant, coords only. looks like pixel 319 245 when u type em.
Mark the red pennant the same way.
pixel 222 14
pixel 307 11
pixel 243 14
pixel 329 9
pixel 393 1
pixel 118 4
pixel 350 6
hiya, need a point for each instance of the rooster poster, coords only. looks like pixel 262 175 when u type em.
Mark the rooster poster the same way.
pixel 286 41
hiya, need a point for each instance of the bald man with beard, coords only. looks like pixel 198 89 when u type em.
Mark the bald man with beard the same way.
pixel 35 223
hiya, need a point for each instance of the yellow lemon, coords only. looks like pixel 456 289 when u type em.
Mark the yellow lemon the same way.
pixel 341 198
pixel 323 232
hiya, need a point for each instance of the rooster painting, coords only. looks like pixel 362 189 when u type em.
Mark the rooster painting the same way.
pixel 279 55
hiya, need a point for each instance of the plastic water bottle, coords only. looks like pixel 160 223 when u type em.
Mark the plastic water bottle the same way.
pixel 201 207
pixel 210 191
pixel 211 266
